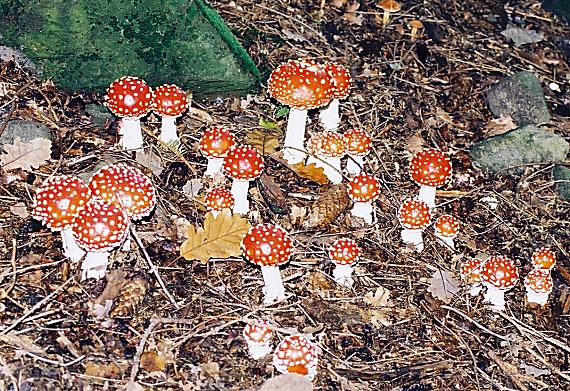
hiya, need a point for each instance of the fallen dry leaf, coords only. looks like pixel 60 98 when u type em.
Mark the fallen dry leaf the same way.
pixel 151 161
pixel 351 16
pixel 265 140
pixel 311 172
pixel 151 361
pixel 25 155
pixel 210 369
pixel 20 210
pixel 381 305
pixel 415 143
pixel 22 343
pixel 521 36
pixel 272 194
pixel 192 188
pixel 443 285
pixel 499 126
pixel 219 238
pixel 111 371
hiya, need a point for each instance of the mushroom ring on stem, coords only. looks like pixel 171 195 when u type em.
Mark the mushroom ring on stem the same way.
pixel 430 169
pixel 344 254
pixel 218 199
pixel 470 271
pixel 538 284
pixel 414 215
pixel 446 229
pixel 242 164
pixel 330 117
pixel 296 354
pixel 363 189
pixel 129 98
pixel 55 203
pixel 498 274
pixel 268 246
pixel 358 145
pixel 258 336
pixel 215 144
pixel 169 102
pixel 302 85
pixel 543 258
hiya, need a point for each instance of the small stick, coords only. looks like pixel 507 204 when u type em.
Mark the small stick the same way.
pixel 475 322
pixel 4 292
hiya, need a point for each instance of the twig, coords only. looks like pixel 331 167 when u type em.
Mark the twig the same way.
pixel 4 292
pixel 54 362
pixel 522 327
pixel 475 322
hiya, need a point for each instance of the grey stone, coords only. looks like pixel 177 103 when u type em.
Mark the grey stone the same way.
pixel 287 382
pixel 7 54
pixel 520 96
pixel 522 146
pixel 25 130
pixel 561 174
pixel 100 116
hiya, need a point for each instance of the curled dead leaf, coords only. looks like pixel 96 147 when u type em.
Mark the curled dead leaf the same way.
pixel 311 172
pixel 265 140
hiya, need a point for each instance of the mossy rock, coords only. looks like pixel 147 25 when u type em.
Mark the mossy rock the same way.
pixel 86 44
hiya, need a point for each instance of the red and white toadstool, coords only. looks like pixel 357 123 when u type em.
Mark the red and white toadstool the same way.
pixel 129 98
pixel 296 354
pixel 330 117
pixel 430 169
pixel 258 336
pixel 330 148
pixel 218 199
pixel 538 284
pixel 498 274
pixel 268 246
pixel 55 203
pixel 344 254
pixel 98 228
pixel 358 145
pixel 414 215
pixel 363 189
pixel 302 85
pixel 543 258
pixel 446 229
pixel 243 164
pixel 215 144
pixel 169 102
pixel 470 270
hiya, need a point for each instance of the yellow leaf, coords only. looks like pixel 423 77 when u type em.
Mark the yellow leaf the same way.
pixel 265 140
pixel 219 238
pixel 312 172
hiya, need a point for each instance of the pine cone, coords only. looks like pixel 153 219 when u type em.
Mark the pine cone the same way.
pixel 130 297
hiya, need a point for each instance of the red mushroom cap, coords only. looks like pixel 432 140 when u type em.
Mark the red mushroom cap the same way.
pixel 296 354
pixel 301 84
pixel 344 251
pixel 499 272
pixel 129 97
pixel 219 198
pixel 414 214
pixel 99 226
pixel 332 144
pixel 259 331
pixel 266 245
pixel 358 142
pixel 430 167
pixel 125 186
pixel 314 143
pixel 341 80
pixel 471 269
pixel 543 258
pixel 170 100
pixel 539 281
pixel 447 226
pixel 243 163
pixel 363 188
pixel 58 199
pixel 216 142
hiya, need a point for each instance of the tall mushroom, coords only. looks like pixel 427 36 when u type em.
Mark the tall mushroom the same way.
pixel 538 284
pixel 302 85
pixel 258 335
pixel 470 270
pixel 499 275
pixel 296 354
pixel 430 169
pixel 446 229
pixel 129 98
pixel 358 145
pixel 543 258
pixel 330 117
pixel 55 203
pixel 169 102
pixel 363 189
pixel 215 144
pixel 268 246
pixel 218 199
pixel 242 164
pixel 344 254
pixel 414 215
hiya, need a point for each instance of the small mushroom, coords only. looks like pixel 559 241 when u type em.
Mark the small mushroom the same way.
pixel 499 275
pixel 242 164
pixel 389 6
pixel 296 354
pixel 169 102
pixel 414 215
pixel 258 336
pixel 538 284
pixel 543 258
pixel 344 254
pixel 430 169
pixel 215 144
pixel 363 189
pixel 218 199
pixel 446 229
pixel 470 270
pixel 416 26
pixel 358 146
pixel 328 147
pixel 329 116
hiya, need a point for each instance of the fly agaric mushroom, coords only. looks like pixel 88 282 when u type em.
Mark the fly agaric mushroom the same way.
pixel 446 229
pixel 344 254
pixel 215 144
pixel 543 258
pixel 55 203
pixel 330 117
pixel 470 270
pixel 243 164
pixel 129 98
pixel 538 284
pixel 358 145
pixel 415 25
pixel 430 168
pixel 258 336
pixel 498 274
pixel 414 215
pixel 302 85
pixel 218 199
pixel 388 6
pixel 268 246
pixel 363 189
pixel 98 228
pixel 296 354
pixel 331 148
pixel 169 102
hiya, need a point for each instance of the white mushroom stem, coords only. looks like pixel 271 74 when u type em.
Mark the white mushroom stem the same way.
pixel 214 166
pixel 363 210
pixel 495 296
pixel 294 144
pixel 447 240
pixel 427 194
pixel 413 236
pixel 274 290
pixel 536 297
pixel 215 213
pixel 354 164
pixel 343 275
pixel 126 247
pixel 475 289
pixel 131 134
pixel 239 191
pixel 70 247
pixel 330 117
pixel 332 169
pixel 168 131
pixel 94 265
pixel 258 350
